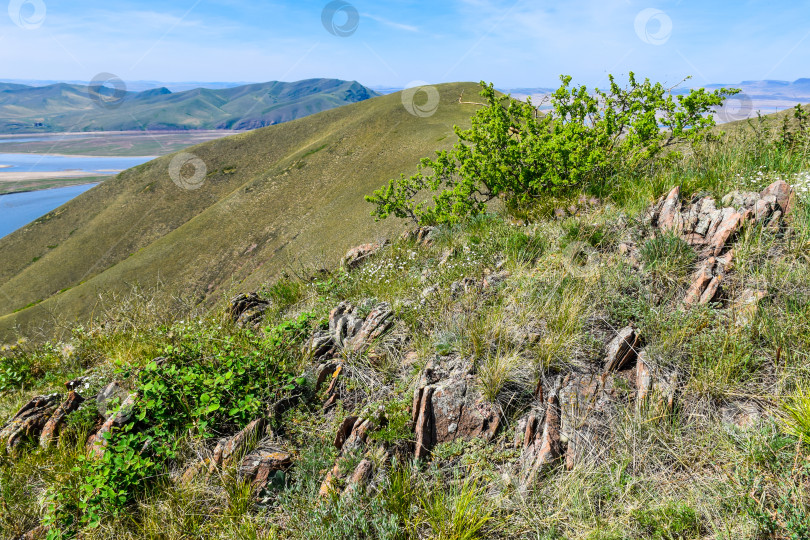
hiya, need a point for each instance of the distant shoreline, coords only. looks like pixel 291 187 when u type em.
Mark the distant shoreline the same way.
pixel 32 190
pixel 80 134
pixel 6 177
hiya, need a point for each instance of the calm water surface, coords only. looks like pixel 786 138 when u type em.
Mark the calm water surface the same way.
pixel 19 209
pixel 52 163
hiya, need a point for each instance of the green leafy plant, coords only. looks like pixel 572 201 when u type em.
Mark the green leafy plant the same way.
pixel 202 386
pixel 514 153
pixel 14 371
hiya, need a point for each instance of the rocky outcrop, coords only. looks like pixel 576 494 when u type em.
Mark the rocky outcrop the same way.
pixel 258 460
pixel 446 406
pixel 711 230
pixel 229 450
pixel 422 236
pixel 707 280
pixel 351 332
pixel 351 437
pixel 622 350
pixel 263 465
pixel 54 425
pixel 573 425
pixel 247 309
pixel 28 423
pixel 542 442
pixel 357 255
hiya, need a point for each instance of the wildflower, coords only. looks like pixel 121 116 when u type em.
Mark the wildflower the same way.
pixel 67 350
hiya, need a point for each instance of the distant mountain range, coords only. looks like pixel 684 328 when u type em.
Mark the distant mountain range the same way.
pixel 64 107
pixel 768 89
pixel 139 86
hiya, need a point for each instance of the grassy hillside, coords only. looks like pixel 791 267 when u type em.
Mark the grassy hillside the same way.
pixel 274 199
pixel 66 107
pixel 487 380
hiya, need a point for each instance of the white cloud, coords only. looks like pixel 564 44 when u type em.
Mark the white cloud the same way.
pixel 392 24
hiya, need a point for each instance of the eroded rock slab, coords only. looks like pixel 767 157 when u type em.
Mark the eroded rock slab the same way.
pixel 54 425
pixel 622 350
pixel 422 236
pixel 350 331
pixel 29 421
pixel 357 255
pixel 351 437
pixel 446 406
pixel 260 466
pixel 247 309
pixel 543 439
pixel 711 230
pixel 229 450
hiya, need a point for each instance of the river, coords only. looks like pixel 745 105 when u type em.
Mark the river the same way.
pixel 92 166
pixel 19 209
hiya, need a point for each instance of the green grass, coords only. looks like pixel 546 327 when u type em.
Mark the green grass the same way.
pixel 685 473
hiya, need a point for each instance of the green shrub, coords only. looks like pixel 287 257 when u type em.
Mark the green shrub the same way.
pixel 15 371
pixel 514 154
pixel 207 385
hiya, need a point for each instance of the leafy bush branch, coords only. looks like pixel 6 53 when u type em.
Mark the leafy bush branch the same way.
pixel 513 153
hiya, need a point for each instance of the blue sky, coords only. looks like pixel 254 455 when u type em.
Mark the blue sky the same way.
pixel 526 43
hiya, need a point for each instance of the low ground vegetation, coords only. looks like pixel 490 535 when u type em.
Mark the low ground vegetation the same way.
pixel 563 290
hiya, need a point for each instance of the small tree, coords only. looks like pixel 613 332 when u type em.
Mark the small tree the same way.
pixel 514 153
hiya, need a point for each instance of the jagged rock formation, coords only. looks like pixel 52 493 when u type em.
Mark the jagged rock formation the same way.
pixel 230 450
pixel 579 413
pixel 446 406
pixel 246 310
pixel 29 421
pixel 262 466
pixel 350 332
pixel 422 236
pixel 257 458
pixel 710 230
pixel 542 444
pixel 351 437
pixel 52 429
pixel 43 418
pixel 357 255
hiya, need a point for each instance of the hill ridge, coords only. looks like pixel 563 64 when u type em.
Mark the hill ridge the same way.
pixel 71 107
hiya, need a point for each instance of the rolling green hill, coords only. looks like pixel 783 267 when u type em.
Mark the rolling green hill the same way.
pixel 273 199
pixel 67 107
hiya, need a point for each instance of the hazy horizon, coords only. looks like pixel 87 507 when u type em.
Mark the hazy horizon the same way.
pixel 393 44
